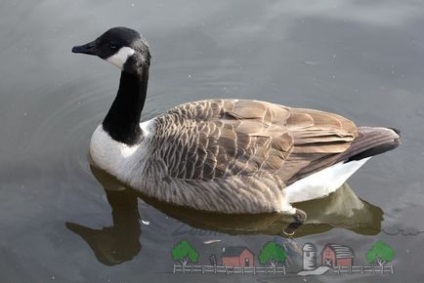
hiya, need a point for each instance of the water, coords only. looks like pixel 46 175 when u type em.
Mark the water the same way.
pixel 359 59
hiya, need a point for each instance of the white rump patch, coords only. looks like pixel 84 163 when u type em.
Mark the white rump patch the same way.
pixel 322 183
pixel 118 59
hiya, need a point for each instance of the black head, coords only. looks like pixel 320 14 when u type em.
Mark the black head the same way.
pixel 121 46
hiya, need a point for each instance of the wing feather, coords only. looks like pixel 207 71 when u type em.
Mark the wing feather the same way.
pixel 223 138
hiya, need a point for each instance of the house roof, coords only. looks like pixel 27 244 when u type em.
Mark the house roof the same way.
pixel 234 251
pixel 308 247
pixel 341 251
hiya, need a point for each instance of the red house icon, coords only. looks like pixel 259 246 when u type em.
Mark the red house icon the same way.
pixel 238 256
pixel 337 255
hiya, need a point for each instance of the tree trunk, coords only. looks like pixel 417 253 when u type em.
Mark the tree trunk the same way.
pixel 380 261
pixel 184 263
pixel 273 264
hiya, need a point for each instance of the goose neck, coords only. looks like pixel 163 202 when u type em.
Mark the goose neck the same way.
pixel 122 120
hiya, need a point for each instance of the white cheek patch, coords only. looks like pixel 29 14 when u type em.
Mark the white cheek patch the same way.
pixel 118 59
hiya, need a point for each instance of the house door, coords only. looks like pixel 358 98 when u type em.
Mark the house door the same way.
pixel 328 262
pixel 246 262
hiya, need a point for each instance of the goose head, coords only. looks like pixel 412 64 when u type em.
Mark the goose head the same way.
pixel 123 47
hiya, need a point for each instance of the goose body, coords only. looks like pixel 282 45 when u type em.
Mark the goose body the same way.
pixel 223 155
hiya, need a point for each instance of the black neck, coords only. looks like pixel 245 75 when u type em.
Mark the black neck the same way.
pixel 122 120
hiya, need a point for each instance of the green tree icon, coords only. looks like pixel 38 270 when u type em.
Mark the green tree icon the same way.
pixel 272 253
pixel 184 252
pixel 381 253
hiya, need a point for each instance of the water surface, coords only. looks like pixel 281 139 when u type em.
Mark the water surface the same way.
pixel 362 60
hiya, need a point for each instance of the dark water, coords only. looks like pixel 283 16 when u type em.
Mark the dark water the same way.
pixel 362 60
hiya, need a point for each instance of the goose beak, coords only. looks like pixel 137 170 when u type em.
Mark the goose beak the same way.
pixel 89 48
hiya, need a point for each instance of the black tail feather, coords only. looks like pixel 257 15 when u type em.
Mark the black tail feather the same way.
pixel 371 141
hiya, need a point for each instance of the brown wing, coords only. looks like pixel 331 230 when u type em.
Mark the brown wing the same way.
pixel 220 138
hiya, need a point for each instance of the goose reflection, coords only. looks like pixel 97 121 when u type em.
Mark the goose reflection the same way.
pixel 120 243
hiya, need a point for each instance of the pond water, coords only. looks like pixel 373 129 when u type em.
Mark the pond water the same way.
pixel 362 60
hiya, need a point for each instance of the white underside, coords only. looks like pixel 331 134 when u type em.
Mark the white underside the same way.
pixel 322 183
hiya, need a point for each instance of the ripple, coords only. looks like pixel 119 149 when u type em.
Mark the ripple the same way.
pixel 63 136
pixel 65 132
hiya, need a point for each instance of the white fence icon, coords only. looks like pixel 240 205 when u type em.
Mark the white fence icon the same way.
pixel 230 269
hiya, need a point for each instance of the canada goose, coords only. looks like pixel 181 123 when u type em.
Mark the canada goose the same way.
pixel 223 155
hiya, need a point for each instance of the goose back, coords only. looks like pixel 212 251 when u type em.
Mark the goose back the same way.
pixel 222 138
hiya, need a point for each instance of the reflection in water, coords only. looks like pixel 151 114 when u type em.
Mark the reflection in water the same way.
pixel 119 243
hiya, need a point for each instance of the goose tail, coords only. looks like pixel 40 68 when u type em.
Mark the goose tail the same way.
pixel 371 141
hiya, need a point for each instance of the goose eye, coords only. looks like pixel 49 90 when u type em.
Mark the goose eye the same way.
pixel 113 46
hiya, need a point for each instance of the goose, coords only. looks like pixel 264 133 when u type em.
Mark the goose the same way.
pixel 228 156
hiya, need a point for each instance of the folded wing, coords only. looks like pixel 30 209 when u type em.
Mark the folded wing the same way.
pixel 223 138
